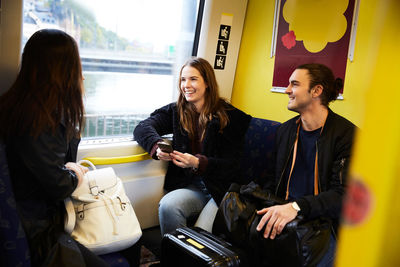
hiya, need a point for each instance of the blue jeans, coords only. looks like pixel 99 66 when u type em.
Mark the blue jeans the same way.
pixel 329 257
pixel 176 207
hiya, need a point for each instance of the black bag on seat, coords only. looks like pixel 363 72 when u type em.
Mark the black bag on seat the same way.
pixel 301 243
pixel 195 247
pixel 237 211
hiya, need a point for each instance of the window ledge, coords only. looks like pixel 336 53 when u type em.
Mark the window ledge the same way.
pixel 102 141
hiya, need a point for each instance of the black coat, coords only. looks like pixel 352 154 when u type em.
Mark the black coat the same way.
pixel 334 149
pixel 223 150
pixel 41 183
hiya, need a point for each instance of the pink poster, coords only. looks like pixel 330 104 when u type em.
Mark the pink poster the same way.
pixel 312 31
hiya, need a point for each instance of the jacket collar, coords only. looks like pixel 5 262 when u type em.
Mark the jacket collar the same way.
pixel 326 125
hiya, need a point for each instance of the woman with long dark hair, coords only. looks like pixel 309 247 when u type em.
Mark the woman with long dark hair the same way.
pixel 208 137
pixel 41 118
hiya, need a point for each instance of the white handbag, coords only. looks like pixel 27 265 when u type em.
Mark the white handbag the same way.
pixel 100 215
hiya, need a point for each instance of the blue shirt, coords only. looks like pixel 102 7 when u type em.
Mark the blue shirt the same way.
pixel 302 181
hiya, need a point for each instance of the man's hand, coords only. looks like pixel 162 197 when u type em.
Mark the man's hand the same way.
pixel 276 218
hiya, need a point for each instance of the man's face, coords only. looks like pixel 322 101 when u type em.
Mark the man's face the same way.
pixel 300 97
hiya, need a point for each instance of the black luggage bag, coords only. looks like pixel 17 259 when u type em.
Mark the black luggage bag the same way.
pixel 194 247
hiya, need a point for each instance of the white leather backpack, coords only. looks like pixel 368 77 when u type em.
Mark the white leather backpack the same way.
pixel 100 215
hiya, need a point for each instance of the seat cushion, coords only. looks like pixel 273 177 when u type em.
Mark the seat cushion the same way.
pixel 258 150
pixel 115 260
pixel 14 250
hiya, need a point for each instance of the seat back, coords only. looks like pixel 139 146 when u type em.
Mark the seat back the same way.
pixel 258 148
pixel 14 250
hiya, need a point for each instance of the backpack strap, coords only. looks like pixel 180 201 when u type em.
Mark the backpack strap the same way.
pixel 70 217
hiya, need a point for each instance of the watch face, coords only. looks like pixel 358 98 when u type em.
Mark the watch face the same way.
pixel 295 206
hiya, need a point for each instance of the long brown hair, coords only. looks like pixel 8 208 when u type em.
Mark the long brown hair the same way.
pixel 48 89
pixel 214 105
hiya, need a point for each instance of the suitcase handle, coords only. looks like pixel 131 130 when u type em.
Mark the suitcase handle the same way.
pixel 213 237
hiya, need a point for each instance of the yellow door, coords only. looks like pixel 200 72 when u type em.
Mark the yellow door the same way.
pixel 370 235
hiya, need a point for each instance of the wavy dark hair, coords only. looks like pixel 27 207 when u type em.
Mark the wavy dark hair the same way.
pixel 214 105
pixel 321 74
pixel 48 89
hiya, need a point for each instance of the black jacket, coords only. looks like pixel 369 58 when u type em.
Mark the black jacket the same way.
pixel 40 183
pixel 223 150
pixel 334 148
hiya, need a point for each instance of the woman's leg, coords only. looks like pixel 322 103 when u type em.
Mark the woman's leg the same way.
pixel 91 260
pixel 178 205
pixel 132 254
pixel 207 216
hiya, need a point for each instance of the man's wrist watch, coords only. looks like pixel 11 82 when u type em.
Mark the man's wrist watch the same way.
pixel 295 206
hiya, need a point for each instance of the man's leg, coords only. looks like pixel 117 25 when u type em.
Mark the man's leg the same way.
pixel 178 205
pixel 329 257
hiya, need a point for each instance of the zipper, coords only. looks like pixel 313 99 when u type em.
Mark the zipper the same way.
pixel 319 180
pixel 342 161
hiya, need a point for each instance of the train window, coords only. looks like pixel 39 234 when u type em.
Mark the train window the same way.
pixel 130 53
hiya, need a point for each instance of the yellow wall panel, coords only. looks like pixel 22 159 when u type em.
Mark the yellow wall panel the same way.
pixel 254 69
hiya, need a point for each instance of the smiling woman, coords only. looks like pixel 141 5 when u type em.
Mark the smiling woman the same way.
pixel 208 136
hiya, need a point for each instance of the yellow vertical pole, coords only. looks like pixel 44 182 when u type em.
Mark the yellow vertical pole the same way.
pixel 374 239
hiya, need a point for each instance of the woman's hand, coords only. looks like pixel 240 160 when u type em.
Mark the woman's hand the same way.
pixel 78 169
pixel 184 160
pixel 276 217
pixel 163 155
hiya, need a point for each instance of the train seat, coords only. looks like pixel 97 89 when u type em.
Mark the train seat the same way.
pixel 14 246
pixel 257 155
pixel 14 250
pixel 258 148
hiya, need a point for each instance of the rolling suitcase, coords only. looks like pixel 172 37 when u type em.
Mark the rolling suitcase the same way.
pixel 195 247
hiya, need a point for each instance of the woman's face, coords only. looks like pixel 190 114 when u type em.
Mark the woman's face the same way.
pixel 193 86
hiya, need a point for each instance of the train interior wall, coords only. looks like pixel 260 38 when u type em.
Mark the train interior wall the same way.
pixel 255 67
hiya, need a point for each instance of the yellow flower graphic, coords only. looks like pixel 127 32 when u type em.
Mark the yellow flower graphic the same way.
pixel 316 22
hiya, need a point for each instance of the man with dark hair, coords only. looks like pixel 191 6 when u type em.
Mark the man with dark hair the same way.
pixel 312 155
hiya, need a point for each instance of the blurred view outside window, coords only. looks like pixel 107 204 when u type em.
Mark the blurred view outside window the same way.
pixel 131 52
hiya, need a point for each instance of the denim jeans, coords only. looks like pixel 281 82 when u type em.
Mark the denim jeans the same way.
pixel 179 205
pixel 329 257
